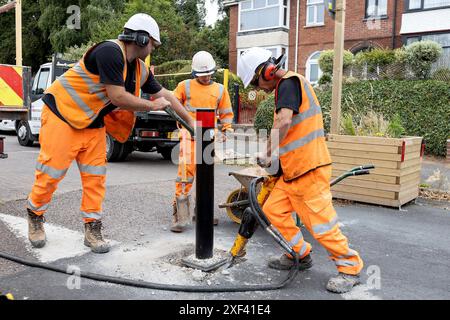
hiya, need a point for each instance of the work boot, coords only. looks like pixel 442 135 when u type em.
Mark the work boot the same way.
pixel 93 237
pixel 36 232
pixel 286 263
pixel 175 226
pixel 342 283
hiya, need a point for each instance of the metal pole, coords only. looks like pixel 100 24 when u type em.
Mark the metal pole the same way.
pixel 19 32
pixel 339 31
pixel 236 103
pixel 204 242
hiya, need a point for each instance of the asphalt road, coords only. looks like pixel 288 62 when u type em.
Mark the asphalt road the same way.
pixel 406 253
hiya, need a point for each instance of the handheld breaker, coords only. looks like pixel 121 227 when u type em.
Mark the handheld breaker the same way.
pixel 254 216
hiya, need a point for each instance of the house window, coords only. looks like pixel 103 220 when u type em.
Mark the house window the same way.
pixel 376 8
pixel 444 40
pixel 276 52
pixel 427 4
pixel 263 14
pixel 313 72
pixel 315 12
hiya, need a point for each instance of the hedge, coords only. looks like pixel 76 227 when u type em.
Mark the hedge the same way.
pixel 423 106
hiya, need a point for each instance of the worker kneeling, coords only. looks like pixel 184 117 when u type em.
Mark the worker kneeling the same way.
pixel 196 94
pixel 297 145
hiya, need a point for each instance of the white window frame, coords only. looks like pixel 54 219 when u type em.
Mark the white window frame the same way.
pixel 278 50
pixel 309 62
pixel 315 4
pixel 281 8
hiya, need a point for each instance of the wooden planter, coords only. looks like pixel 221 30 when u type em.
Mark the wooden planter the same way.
pixel 396 177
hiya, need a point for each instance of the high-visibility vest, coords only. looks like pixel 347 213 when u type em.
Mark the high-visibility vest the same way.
pixel 198 96
pixel 80 97
pixel 304 148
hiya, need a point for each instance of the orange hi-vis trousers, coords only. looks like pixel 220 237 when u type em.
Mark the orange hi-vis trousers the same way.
pixel 186 165
pixel 310 197
pixel 60 145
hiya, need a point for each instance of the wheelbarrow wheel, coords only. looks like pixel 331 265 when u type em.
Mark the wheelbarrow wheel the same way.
pixel 235 213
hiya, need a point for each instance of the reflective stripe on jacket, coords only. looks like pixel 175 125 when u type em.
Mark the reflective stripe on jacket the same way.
pixel 194 96
pixel 304 148
pixel 80 96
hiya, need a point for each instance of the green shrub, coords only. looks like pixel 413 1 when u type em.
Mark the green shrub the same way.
pixel 442 74
pixel 375 58
pixel 395 128
pixel 75 53
pixel 347 125
pixel 422 106
pixel 326 60
pixel 421 55
pixel 264 114
pixel 174 66
pixel 325 78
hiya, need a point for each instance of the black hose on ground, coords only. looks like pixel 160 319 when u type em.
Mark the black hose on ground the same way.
pixel 169 287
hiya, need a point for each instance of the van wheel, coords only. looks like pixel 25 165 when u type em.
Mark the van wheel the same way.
pixel 114 149
pixel 24 135
pixel 126 150
pixel 166 153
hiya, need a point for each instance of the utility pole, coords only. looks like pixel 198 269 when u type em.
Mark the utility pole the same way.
pixel 339 31
pixel 19 32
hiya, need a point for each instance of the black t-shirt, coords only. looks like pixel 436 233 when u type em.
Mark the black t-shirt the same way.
pixel 289 95
pixel 107 61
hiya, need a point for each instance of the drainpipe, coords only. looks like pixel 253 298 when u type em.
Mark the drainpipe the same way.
pixel 394 24
pixel 296 36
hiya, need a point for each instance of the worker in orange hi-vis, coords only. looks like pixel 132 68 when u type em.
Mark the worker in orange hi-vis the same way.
pixel 98 95
pixel 198 93
pixel 298 152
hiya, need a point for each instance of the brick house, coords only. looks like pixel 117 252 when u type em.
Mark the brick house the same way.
pixel 303 28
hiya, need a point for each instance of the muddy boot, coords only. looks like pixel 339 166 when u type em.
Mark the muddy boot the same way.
pixel 342 283
pixel 176 227
pixel 286 263
pixel 93 237
pixel 36 232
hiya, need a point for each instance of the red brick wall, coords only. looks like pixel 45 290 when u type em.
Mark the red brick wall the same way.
pixel 357 33
pixel 232 52
pixel 313 39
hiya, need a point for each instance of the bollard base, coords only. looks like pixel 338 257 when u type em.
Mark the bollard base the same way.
pixel 207 265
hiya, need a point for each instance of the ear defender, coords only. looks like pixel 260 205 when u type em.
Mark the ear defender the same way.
pixel 272 66
pixel 140 39
pixel 269 70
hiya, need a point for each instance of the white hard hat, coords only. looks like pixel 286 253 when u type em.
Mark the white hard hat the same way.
pixel 249 60
pixel 203 64
pixel 144 22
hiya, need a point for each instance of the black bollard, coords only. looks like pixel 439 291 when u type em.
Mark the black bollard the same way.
pixel 204 242
pixel 205 258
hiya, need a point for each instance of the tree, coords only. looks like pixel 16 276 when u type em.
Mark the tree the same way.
pixel 215 40
pixel 36 48
pixel 175 36
pixel 193 12
pixel 56 15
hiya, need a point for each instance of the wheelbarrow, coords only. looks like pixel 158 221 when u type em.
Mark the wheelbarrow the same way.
pixel 238 200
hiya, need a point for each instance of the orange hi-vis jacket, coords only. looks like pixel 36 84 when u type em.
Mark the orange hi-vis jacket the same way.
pixel 193 95
pixel 304 148
pixel 80 96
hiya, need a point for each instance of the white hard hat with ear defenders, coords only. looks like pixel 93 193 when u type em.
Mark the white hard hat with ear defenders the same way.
pixel 203 64
pixel 249 61
pixel 144 22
